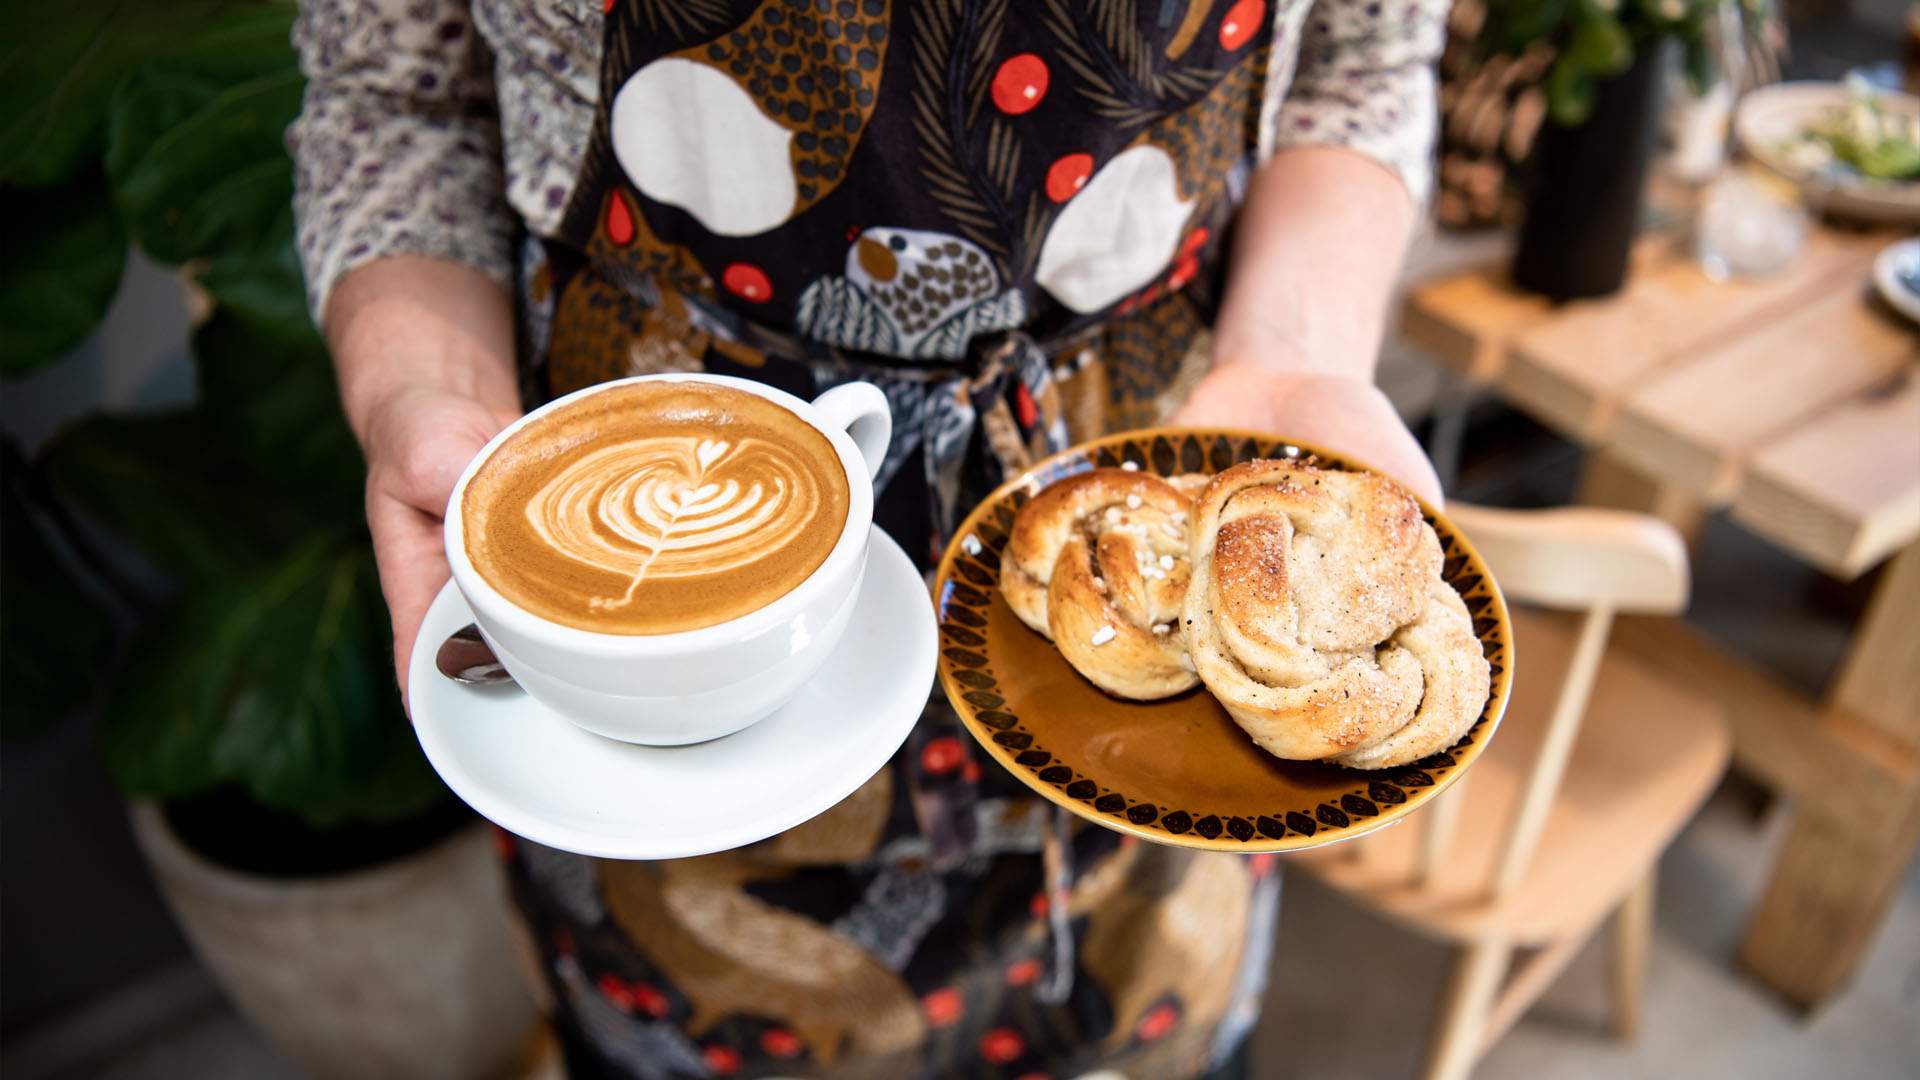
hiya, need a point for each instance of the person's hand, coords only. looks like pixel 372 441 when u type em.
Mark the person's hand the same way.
pixel 1343 414
pixel 424 351
pixel 418 442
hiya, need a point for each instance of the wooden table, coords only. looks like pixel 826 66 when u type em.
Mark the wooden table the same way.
pixel 1794 402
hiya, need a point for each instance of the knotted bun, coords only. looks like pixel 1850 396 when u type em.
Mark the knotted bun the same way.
pixel 1098 563
pixel 1318 617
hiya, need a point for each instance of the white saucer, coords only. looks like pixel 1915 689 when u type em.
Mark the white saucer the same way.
pixel 538 776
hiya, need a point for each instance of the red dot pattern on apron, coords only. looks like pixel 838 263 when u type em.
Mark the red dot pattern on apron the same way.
pixel 619 220
pixel 1020 84
pixel 1242 21
pixel 1068 175
pixel 1002 1045
pixel 748 282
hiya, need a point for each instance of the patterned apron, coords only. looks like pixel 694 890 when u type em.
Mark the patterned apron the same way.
pixel 1008 216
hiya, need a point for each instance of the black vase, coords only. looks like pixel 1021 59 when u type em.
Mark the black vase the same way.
pixel 1585 185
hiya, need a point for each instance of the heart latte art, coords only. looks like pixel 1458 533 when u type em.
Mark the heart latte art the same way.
pixel 673 506
pixel 655 507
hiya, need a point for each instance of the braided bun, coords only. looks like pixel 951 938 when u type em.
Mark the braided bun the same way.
pixel 1318 617
pixel 1098 563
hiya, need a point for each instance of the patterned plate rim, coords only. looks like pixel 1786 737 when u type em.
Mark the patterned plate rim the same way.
pixel 1377 799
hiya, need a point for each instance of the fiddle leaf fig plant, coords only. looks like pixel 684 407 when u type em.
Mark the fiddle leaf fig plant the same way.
pixel 261 659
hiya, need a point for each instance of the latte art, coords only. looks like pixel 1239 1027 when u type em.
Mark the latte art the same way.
pixel 655 507
pixel 674 506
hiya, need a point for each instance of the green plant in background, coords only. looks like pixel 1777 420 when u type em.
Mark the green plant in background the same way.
pixel 1598 39
pixel 262 661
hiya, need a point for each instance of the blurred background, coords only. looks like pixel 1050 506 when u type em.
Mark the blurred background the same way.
pixel 1665 273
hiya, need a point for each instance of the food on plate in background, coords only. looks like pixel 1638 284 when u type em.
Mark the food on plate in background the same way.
pixel 1861 137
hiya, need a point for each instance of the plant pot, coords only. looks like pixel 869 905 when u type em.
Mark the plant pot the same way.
pixel 1586 185
pixel 403 969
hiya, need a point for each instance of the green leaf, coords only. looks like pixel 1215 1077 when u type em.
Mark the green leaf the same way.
pixel 1522 23
pixel 1569 94
pixel 201 174
pixel 279 681
pixel 267 288
pixel 198 164
pixel 60 64
pixel 1599 46
pixel 170 486
pixel 266 378
pixel 199 93
pixel 65 253
pixel 54 638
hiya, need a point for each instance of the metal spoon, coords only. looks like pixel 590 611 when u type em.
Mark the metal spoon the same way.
pixel 465 658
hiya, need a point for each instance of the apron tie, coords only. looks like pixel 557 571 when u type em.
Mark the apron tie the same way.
pixel 1013 398
pixel 1007 391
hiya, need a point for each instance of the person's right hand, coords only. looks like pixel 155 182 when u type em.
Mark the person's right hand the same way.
pixel 418 441
pixel 424 351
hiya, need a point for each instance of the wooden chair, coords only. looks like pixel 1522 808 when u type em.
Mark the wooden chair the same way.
pixel 1597 766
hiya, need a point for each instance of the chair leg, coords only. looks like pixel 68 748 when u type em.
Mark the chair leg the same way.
pixel 1440 820
pixel 1632 927
pixel 1476 977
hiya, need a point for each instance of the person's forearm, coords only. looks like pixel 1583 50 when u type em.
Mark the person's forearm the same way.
pixel 407 323
pixel 1316 253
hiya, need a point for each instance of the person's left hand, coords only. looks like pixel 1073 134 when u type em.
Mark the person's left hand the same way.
pixel 1340 413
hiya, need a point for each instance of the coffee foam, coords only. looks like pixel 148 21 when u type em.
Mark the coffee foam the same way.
pixel 655 507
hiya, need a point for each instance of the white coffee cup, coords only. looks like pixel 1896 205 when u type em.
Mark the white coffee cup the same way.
pixel 694 685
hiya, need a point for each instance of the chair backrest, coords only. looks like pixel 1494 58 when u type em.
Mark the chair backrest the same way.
pixel 1580 558
pixel 1594 561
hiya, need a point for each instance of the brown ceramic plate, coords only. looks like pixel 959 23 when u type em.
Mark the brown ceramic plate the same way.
pixel 1177 771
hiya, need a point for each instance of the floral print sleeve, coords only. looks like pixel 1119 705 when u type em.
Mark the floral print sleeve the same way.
pixel 397 146
pixel 1363 81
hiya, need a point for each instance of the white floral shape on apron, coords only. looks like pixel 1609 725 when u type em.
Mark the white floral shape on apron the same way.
pixel 1117 234
pixel 687 135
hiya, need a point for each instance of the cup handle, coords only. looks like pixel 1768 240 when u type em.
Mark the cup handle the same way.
pixel 861 410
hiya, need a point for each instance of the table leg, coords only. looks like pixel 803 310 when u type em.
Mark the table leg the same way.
pixel 1823 905
pixel 1607 481
pixel 1831 886
pixel 1880 678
